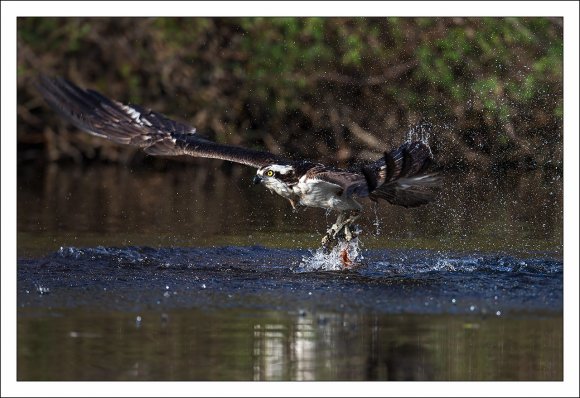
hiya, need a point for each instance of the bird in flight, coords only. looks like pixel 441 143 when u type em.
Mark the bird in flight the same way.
pixel 400 176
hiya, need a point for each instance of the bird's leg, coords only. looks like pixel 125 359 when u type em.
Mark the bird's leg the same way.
pixel 333 231
pixel 348 234
pixel 342 224
pixel 329 240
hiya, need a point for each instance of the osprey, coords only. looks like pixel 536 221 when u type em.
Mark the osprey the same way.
pixel 399 177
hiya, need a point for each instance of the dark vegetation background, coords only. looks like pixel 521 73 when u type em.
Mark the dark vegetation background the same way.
pixel 339 90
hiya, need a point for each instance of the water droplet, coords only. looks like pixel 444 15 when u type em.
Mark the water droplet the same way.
pixel 472 308
pixel 377 221
pixel 498 313
pixel 203 286
pixel 453 301
pixel 166 294
pixel 42 290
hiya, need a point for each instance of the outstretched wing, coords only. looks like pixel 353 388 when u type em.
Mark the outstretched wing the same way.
pixel 138 126
pixel 400 177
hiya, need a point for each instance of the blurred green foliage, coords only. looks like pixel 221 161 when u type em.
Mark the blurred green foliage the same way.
pixel 338 89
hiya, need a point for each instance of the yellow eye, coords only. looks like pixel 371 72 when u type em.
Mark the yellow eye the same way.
pixel 269 173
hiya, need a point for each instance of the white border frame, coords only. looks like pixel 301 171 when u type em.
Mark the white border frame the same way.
pixel 11 10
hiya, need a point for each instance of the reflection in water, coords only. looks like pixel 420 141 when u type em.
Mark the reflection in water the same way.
pixel 270 348
pixel 270 345
pixel 304 350
pixel 359 347
pixel 405 360
pixel 283 353
pixel 332 347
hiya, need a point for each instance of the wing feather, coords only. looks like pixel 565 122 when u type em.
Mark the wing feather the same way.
pixel 400 176
pixel 138 126
pixel 350 183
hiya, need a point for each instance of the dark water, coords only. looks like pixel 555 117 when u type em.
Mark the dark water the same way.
pixel 190 274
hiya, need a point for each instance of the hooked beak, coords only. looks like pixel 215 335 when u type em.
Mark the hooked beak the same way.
pixel 257 179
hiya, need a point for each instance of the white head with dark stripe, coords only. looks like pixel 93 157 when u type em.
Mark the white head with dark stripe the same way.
pixel 278 178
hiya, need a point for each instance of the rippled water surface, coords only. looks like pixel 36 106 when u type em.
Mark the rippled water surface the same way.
pixel 190 274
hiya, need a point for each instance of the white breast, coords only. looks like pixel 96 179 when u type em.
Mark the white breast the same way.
pixel 317 193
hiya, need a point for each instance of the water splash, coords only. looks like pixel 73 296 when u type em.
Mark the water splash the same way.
pixel 376 262
pixel 344 255
pixel 421 262
pixel 377 221
pixel 420 132
pixel 41 289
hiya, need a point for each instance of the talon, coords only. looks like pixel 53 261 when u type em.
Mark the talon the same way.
pixel 350 234
pixel 347 233
pixel 340 231
pixel 332 231
pixel 336 235
pixel 328 243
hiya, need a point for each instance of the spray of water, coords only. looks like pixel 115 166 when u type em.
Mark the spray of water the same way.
pixel 344 255
pixel 377 221
pixel 419 132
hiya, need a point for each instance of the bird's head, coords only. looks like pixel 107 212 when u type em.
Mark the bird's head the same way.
pixel 277 178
